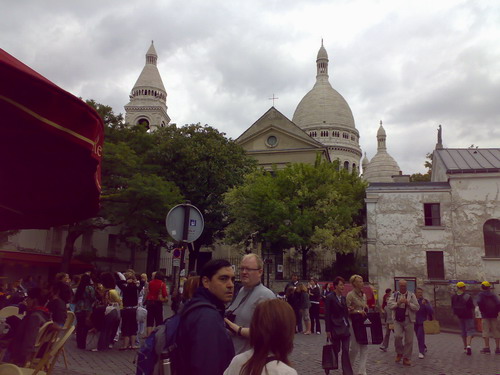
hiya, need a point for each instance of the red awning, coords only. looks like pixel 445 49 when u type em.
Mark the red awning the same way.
pixel 50 151
pixel 39 259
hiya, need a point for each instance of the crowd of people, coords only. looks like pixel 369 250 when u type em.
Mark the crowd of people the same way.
pixel 111 305
pixel 226 331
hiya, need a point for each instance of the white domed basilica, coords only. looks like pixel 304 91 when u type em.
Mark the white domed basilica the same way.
pixel 322 123
pixel 325 115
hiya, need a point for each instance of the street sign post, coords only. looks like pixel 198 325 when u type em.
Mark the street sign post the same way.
pixel 185 224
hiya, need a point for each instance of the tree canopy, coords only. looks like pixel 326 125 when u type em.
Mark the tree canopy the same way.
pixel 417 177
pixel 301 206
pixel 144 174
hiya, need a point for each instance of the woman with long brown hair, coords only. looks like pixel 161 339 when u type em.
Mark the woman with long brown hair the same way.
pixel 271 336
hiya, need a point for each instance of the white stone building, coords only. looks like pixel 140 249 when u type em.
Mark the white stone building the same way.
pixel 435 233
pixel 148 98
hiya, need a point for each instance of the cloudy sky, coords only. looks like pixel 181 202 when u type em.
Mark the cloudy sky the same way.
pixel 412 64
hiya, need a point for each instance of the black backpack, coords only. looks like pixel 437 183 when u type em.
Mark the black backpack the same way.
pixel 460 308
pixel 161 347
pixel 489 306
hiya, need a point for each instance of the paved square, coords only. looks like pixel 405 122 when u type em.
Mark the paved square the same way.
pixel 444 357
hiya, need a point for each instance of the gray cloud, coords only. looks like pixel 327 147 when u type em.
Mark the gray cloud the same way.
pixel 413 66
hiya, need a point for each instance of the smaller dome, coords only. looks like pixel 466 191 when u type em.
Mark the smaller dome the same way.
pixel 381 131
pixel 365 161
pixel 322 54
pixel 381 168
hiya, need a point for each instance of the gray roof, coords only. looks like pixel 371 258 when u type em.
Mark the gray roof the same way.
pixel 421 185
pixel 470 160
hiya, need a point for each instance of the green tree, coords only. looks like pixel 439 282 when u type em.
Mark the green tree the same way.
pixel 133 196
pixel 204 164
pixel 302 206
pixel 417 177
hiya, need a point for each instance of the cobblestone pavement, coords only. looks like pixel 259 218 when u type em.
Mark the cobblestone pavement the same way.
pixel 445 357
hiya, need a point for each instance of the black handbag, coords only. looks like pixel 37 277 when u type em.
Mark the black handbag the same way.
pixel 329 360
pixel 367 329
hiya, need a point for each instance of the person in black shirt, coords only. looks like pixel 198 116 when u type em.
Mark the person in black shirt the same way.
pixel 130 294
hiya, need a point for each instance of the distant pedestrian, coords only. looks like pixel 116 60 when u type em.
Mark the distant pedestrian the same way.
pixel 293 282
pixel 337 324
pixel 304 306
pixel 327 290
pixel 358 308
pixel 293 300
pixel 489 306
pixel 463 308
pixel 157 295
pixel 131 289
pixel 387 319
pixel 404 306
pixel 314 297
pixel 84 299
pixel 425 312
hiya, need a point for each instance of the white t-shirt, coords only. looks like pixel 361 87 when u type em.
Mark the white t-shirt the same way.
pixel 273 367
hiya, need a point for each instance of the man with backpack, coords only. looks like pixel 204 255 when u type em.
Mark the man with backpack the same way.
pixel 204 344
pixel 404 305
pixel 489 306
pixel 463 308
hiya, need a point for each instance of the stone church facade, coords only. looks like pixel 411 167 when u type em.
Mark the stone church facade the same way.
pixel 321 124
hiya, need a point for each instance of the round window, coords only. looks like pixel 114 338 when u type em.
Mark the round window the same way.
pixel 272 141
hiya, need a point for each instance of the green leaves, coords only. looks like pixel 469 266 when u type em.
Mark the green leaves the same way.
pixel 301 206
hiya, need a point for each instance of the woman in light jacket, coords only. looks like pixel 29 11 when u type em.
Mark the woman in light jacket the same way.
pixel 358 308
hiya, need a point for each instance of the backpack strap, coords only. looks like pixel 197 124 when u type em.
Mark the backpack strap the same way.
pixel 194 306
pixel 270 359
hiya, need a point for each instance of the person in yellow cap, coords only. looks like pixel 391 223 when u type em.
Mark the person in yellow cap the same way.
pixel 489 306
pixel 463 308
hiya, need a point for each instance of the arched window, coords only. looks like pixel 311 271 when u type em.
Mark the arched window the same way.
pixel 491 231
pixel 144 122
pixel 346 165
pixel 354 167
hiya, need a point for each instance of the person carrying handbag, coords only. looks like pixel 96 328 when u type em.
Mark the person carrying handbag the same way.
pixel 157 295
pixel 357 307
pixel 84 300
pixel 337 324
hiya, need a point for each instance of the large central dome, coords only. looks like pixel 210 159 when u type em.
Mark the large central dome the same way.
pixel 325 115
pixel 323 105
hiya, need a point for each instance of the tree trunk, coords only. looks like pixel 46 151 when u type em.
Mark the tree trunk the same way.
pixel 133 250
pixel 304 252
pixel 69 246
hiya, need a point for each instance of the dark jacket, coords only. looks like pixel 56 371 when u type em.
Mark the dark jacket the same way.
pixel 205 345
pixel 130 292
pixel 463 306
pixel 424 312
pixel 291 284
pixel 23 342
pixel 481 302
pixel 336 315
